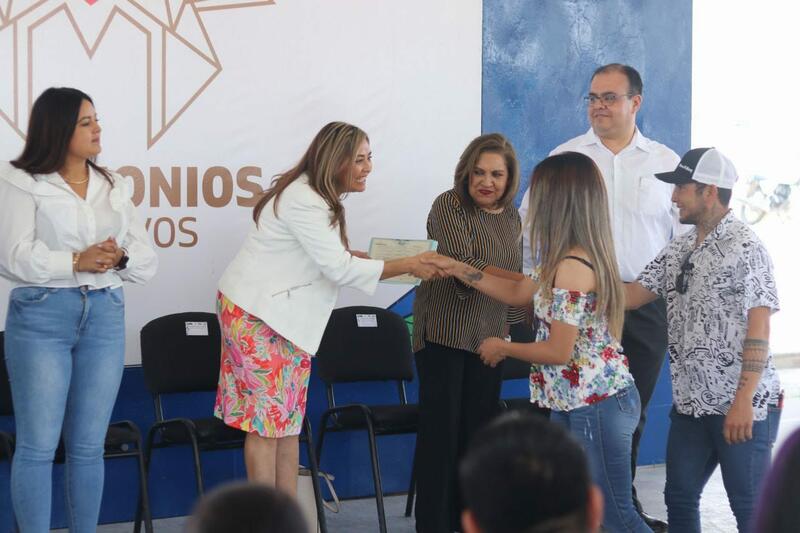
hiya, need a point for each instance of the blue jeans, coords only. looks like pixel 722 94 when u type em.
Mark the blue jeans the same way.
pixel 65 351
pixel 605 430
pixel 694 449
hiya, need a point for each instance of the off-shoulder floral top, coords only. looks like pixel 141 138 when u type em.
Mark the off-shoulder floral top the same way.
pixel 598 368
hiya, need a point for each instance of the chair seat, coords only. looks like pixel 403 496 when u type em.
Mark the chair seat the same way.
pixel 517 403
pixel 386 419
pixel 121 439
pixel 6 440
pixel 210 430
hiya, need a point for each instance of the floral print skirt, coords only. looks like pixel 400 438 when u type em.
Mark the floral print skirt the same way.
pixel 263 378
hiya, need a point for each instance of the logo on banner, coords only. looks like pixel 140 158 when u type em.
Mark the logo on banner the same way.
pixel 168 26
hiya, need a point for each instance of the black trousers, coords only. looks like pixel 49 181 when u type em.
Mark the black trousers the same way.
pixel 644 341
pixel 458 394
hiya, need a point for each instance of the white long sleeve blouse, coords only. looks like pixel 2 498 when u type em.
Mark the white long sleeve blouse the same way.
pixel 43 222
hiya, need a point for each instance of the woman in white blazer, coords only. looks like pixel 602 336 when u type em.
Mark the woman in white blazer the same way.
pixel 69 238
pixel 276 296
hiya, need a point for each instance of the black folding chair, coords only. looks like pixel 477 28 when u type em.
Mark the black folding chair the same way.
pixel 6 406
pixel 6 410
pixel 367 344
pixel 516 369
pixel 123 440
pixel 176 359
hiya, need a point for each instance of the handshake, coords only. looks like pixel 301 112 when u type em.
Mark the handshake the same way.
pixel 426 265
pixel 430 265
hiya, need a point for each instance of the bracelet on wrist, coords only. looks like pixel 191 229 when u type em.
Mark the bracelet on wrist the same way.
pixel 123 261
pixel 76 257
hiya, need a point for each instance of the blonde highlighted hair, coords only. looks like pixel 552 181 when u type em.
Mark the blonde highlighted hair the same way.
pixel 328 163
pixel 569 209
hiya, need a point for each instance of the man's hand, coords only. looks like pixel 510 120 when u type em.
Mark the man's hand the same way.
pixel 492 350
pixel 738 425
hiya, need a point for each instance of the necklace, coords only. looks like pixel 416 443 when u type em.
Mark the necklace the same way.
pixel 492 211
pixel 76 182
pixel 708 227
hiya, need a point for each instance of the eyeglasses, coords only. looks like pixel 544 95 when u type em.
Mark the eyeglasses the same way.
pixel 682 281
pixel 608 99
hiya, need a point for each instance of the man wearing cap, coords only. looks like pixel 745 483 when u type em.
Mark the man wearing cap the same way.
pixel 642 217
pixel 720 291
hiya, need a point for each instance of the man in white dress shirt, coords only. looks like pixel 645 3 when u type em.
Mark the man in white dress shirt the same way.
pixel 642 216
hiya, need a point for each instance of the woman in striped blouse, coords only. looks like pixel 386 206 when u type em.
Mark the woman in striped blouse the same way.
pixel 476 223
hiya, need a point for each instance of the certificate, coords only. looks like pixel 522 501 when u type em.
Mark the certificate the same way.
pixel 388 249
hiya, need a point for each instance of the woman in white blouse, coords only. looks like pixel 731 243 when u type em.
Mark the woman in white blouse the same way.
pixel 69 237
pixel 276 296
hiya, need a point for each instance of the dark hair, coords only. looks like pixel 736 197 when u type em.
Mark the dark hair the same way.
pixel 333 147
pixel 522 473
pixel 777 509
pixel 247 508
pixel 492 143
pixel 634 79
pixel 724 195
pixel 52 123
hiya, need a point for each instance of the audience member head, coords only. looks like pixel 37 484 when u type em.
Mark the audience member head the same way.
pixel 247 508
pixel 336 162
pixel 524 474
pixel 487 173
pixel 777 511
pixel 615 96
pixel 569 209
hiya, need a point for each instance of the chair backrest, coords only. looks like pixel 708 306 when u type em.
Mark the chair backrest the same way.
pixel 181 353
pixel 515 369
pixel 6 406
pixel 363 343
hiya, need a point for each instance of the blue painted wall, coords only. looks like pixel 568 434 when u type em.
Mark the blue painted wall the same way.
pixel 537 59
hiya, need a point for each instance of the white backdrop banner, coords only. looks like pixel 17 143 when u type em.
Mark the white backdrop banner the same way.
pixel 202 102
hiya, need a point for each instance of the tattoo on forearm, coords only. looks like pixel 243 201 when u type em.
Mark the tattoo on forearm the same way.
pixel 742 382
pixel 754 355
pixel 756 345
pixel 472 275
pixel 753 365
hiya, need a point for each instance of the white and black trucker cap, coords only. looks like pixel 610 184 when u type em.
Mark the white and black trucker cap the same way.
pixel 702 165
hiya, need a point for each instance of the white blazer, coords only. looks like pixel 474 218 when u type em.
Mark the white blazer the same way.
pixel 290 268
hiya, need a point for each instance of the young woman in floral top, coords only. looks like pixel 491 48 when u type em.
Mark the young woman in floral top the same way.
pixel 577 368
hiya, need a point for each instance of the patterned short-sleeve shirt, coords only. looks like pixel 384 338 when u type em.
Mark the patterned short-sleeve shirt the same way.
pixel 728 274
pixel 597 368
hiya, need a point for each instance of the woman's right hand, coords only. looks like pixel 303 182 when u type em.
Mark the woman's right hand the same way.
pixel 492 350
pixel 98 258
